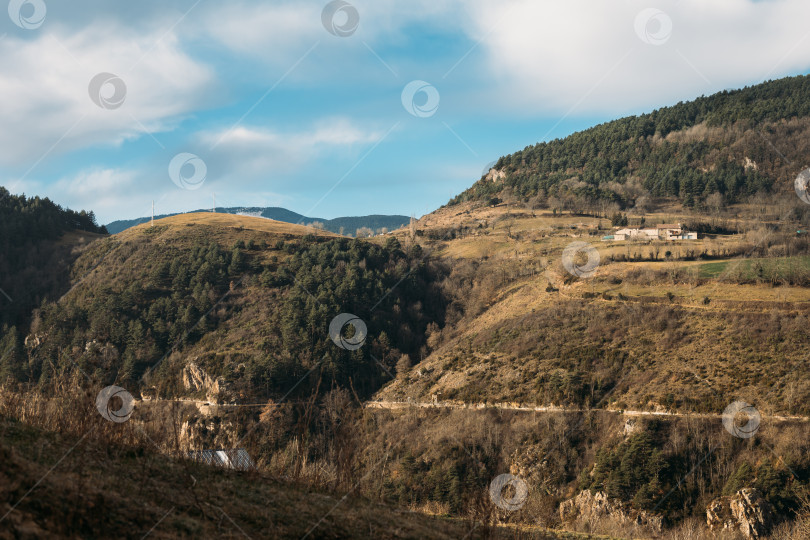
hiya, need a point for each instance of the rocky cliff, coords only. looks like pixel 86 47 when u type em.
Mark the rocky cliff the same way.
pixel 746 511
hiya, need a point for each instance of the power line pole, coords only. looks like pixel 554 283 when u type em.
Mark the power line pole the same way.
pixel 152 223
pixel 214 208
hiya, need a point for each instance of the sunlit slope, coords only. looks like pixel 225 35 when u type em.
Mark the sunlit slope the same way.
pixel 659 326
pixel 225 221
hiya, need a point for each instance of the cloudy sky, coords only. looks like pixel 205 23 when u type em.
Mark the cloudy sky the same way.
pixel 337 108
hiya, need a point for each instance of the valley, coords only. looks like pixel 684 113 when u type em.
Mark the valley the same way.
pixel 500 367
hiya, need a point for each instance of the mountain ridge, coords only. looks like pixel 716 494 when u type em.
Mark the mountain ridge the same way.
pixel 349 224
pixel 731 145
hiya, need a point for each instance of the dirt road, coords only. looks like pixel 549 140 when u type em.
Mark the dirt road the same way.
pixel 528 408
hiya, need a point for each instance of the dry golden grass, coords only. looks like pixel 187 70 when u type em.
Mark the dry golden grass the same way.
pixel 82 476
pixel 696 356
pixel 227 221
pixel 491 370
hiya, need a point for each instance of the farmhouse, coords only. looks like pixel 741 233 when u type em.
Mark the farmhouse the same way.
pixel 664 231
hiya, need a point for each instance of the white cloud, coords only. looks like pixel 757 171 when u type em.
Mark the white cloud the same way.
pixel 585 54
pixel 247 152
pixel 539 57
pixel 268 31
pixel 332 132
pixel 239 166
pixel 106 191
pixel 44 88
pixel 338 132
pixel 518 60
pixel 276 31
pixel 97 183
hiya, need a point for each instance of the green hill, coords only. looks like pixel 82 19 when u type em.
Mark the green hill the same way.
pixel 249 299
pixel 735 143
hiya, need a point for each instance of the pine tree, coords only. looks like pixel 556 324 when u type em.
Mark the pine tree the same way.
pixel 237 265
pixel 128 369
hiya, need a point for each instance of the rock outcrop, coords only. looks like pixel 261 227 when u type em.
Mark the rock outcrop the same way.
pixel 746 510
pixel 718 515
pixel 494 175
pixel 596 506
pixel 195 379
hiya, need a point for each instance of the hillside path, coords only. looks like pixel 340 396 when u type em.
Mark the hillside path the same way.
pixel 393 405
pixel 397 405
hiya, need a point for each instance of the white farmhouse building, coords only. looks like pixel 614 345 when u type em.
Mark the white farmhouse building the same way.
pixel 665 231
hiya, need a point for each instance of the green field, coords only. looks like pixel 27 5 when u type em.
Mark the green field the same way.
pixel 793 270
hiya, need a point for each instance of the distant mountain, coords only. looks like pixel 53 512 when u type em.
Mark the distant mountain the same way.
pixel 348 224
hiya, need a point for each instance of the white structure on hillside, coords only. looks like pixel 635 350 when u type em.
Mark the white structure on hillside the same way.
pixel 236 458
pixel 665 231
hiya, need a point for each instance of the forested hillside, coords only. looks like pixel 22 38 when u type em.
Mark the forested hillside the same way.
pixel 734 143
pixel 33 261
pixel 250 307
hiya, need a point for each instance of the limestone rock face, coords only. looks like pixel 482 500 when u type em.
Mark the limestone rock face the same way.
pixel 494 175
pixel 594 506
pixel 718 515
pixel 196 380
pixel 746 510
pixel 752 512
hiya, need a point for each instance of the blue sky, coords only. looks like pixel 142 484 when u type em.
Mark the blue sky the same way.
pixel 284 112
